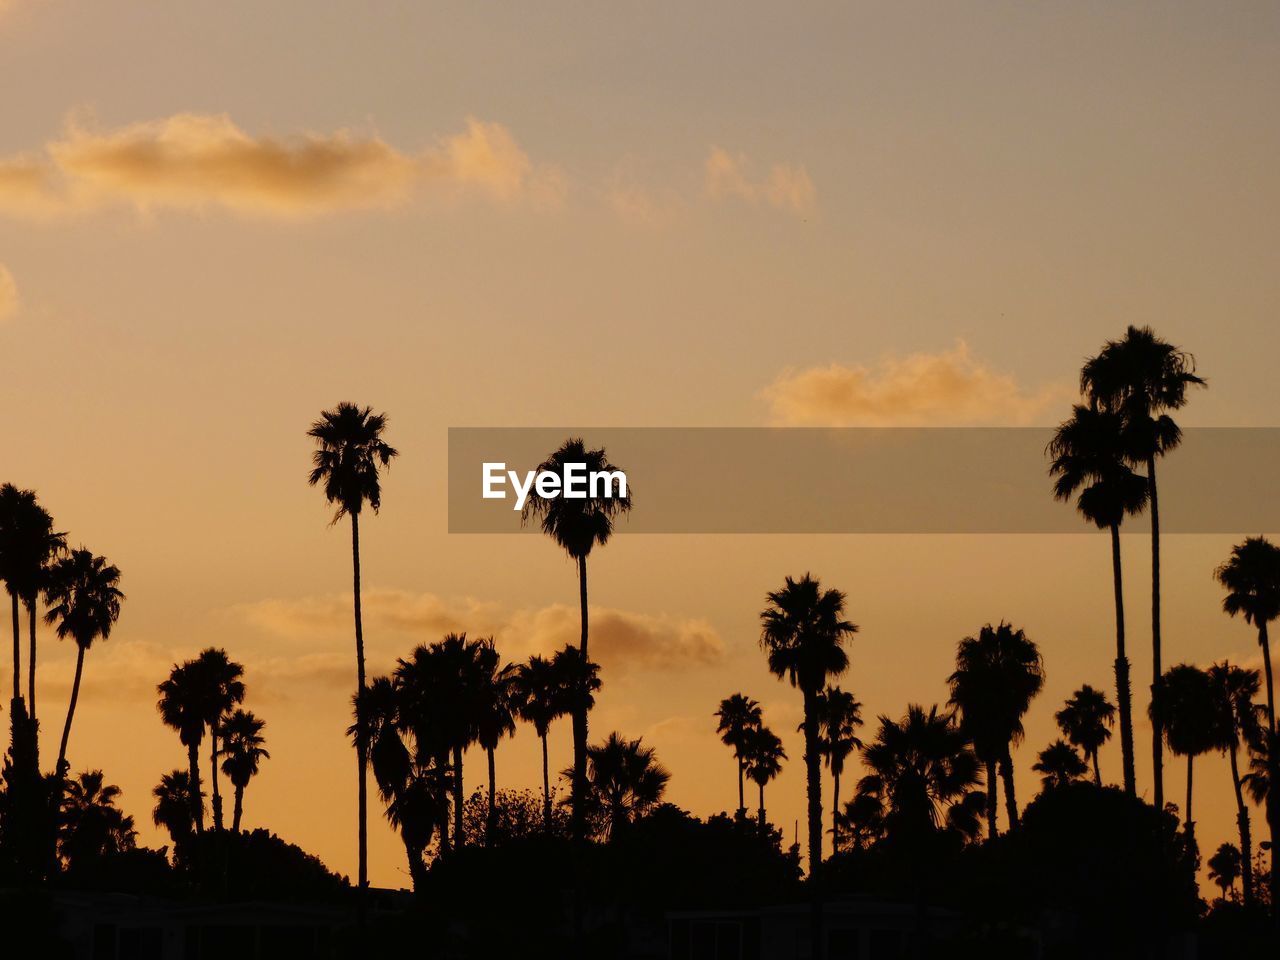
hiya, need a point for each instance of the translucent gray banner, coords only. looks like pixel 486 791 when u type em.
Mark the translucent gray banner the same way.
pixel 861 480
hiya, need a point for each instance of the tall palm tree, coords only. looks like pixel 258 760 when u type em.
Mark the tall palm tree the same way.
pixel 457 676
pixel 424 706
pixel 182 708
pixel 1224 869
pixel 14 505
pixel 763 755
pixel 349 453
pixel 1143 378
pixel 1234 690
pixel 803 633
pixel 173 796
pixel 539 697
pixel 1264 787
pixel 1059 764
pixel 221 689
pixel 495 713
pixel 1086 720
pixel 738 717
pixel 1186 708
pixel 83 595
pixel 1251 576
pixel 625 780
pixel 577 525
pixel 243 748
pixel 1089 461
pixel 839 717
pixel 998 673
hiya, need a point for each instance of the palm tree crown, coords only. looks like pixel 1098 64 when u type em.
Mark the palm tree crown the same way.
pixel 738 716
pixel 349 453
pixel 1086 720
pixel 1059 764
pixel 243 748
pixel 626 780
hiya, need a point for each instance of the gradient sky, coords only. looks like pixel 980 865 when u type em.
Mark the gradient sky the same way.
pixel 217 219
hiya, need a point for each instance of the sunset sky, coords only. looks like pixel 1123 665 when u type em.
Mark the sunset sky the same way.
pixel 217 219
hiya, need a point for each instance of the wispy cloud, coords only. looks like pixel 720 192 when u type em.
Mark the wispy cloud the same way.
pixel 786 187
pixel 200 161
pixel 8 294
pixel 921 389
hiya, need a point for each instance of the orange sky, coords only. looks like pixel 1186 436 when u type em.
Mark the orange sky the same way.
pixel 216 220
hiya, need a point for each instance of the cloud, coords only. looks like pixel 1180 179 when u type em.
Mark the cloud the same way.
pixel 197 161
pixel 620 639
pixel 922 389
pixel 787 187
pixel 8 294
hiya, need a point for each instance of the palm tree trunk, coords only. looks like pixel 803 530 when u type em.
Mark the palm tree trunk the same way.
pixel 17 651
pixel 1010 798
pixel 238 809
pixel 71 712
pixel 546 786
pixel 442 811
pixel 835 811
pixel 361 747
pixel 1265 642
pixel 1189 824
pixel 1242 822
pixel 197 804
pixel 213 778
pixel 742 804
pixel 1122 670
pixel 31 664
pixel 459 833
pixel 1097 773
pixel 813 784
pixel 579 784
pixel 760 815
pixel 1157 731
pixel 993 830
pixel 488 826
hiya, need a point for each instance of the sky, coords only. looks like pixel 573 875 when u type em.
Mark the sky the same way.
pixel 218 219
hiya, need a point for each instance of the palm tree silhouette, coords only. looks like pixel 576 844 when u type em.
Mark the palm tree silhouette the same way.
pixel 1263 781
pixel 495 712
pixel 182 708
pixel 739 716
pixel 577 526
pixel 425 705
pixel 1251 576
pixel 173 809
pixel 220 689
pixel 539 698
pixel 762 754
pixel 349 453
pixel 1224 869
pixel 83 595
pixel 803 634
pixel 1088 457
pixel 839 717
pixel 243 748
pixel 456 669
pixel 1059 764
pixel 1086 720
pixel 1237 718
pixel 862 820
pixel 1143 377
pixel 625 780
pixel 998 673
pixel 92 826
pixel 1186 708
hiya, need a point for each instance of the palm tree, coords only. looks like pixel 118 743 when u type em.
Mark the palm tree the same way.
pixel 349 453
pixel 424 705
pixel 539 698
pixel 839 717
pixel 577 525
pixel 762 756
pixel 625 780
pixel 1264 786
pixel 456 677
pixel 1086 720
pixel 739 717
pixel 1224 869
pixel 83 596
pixel 862 820
pixel 14 505
pixel 92 825
pixel 182 708
pixel 1059 764
pixel 1185 707
pixel 1143 378
pixel 1234 689
pixel 1088 454
pixel 998 673
pixel 243 748
pixel 495 712
pixel 803 632
pixel 173 807
pixel 221 689
pixel 1251 576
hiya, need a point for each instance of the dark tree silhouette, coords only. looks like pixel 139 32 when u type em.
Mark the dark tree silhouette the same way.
pixel 83 596
pixel 495 716
pixel 803 633
pixel 1251 576
pixel 997 675
pixel 1059 764
pixel 220 688
pixel 1089 459
pixel 1234 689
pixel 1187 712
pixel 763 754
pixel 243 748
pixel 1086 720
pixel 349 453
pixel 174 805
pixel 1264 786
pixel 182 708
pixel 738 717
pixel 625 780
pixel 839 717
pixel 1224 869
pixel 1143 377
pixel 540 696
pixel 92 826
pixel 578 525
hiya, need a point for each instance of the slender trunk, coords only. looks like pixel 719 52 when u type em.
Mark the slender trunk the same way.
pixel 238 809
pixel 488 826
pixel 1097 774
pixel 1265 642
pixel 760 814
pixel 1242 822
pixel 31 663
pixel 835 810
pixel 579 784
pixel 442 811
pixel 71 712
pixel 1122 670
pixel 213 778
pixel 417 869
pixel 361 745
pixel 197 801
pixel 1188 823
pixel 459 832
pixel 1157 730
pixel 742 805
pixel 813 785
pixel 546 786
pixel 993 829
pixel 1010 798
pixel 17 651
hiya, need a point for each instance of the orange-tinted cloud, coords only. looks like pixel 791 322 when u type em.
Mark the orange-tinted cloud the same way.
pixel 200 161
pixel 922 389
pixel 787 186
